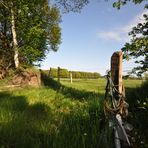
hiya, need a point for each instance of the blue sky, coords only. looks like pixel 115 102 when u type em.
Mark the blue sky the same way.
pixel 89 38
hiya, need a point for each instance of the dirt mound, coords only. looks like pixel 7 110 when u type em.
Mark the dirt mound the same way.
pixel 26 78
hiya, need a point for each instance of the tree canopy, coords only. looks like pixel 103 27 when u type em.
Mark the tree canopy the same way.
pixel 36 27
pixel 70 5
pixel 120 3
pixel 137 48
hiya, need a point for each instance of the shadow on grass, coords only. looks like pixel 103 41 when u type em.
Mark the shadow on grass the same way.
pixel 68 91
pixel 19 121
pixel 36 125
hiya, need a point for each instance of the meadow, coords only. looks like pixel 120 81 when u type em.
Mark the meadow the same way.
pixel 97 85
pixel 56 115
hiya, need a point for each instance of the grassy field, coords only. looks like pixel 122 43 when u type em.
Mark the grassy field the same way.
pixel 97 85
pixel 71 117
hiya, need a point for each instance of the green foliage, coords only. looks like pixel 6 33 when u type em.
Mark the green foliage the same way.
pixel 64 73
pixel 85 75
pixel 37 29
pixel 71 5
pixel 120 3
pixel 138 47
pixel 54 72
pixel 6 51
pixel 138 109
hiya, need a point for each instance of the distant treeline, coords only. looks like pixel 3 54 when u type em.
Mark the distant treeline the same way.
pixel 64 73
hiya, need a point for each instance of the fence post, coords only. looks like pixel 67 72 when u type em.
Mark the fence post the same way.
pixel 59 74
pixel 116 70
pixel 70 77
pixel 50 72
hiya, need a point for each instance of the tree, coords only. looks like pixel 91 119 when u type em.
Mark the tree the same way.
pixel 138 47
pixel 29 29
pixel 120 3
pixel 64 73
pixel 5 37
pixel 70 5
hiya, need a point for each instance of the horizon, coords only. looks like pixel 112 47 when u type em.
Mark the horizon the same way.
pixel 91 37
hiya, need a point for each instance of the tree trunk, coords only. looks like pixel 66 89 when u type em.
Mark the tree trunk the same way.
pixel 15 44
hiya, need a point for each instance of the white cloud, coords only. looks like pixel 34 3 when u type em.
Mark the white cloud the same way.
pixel 121 34
pixel 110 35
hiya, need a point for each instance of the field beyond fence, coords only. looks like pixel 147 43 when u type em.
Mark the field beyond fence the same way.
pixel 50 117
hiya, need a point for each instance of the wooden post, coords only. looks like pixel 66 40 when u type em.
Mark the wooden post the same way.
pixel 116 75
pixel 59 74
pixel 71 77
pixel 50 73
pixel 116 70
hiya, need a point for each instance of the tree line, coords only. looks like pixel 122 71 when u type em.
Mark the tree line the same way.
pixel 64 73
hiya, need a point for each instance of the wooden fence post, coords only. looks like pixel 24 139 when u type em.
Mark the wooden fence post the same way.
pixel 59 74
pixel 116 70
pixel 70 77
pixel 50 73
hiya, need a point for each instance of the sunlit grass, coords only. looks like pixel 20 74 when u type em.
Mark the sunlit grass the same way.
pixel 46 117
pixel 93 85
pixel 97 85
pixel 42 117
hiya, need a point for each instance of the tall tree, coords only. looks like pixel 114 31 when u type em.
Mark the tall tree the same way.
pixel 32 29
pixel 15 43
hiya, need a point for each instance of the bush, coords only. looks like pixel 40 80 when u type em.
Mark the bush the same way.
pixel 138 101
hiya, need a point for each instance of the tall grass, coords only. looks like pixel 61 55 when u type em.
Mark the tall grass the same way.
pixel 55 116
pixel 42 117
pixel 138 113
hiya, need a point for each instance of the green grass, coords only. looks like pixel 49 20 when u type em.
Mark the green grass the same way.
pixel 138 113
pixel 132 83
pixel 97 85
pixel 56 116
pixel 42 117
